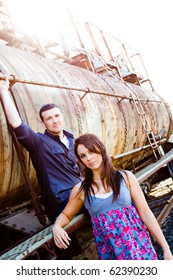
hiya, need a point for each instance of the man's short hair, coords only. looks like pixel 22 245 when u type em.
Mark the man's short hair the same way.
pixel 47 107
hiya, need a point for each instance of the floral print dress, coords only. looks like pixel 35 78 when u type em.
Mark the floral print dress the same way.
pixel 118 230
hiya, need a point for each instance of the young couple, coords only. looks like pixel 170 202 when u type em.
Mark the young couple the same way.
pixel 119 212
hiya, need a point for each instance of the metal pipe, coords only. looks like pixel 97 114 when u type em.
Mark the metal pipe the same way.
pixel 106 44
pixel 14 80
pixel 137 150
pixel 92 38
pixel 143 174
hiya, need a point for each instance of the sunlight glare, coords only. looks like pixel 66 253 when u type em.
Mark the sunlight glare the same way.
pixel 44 19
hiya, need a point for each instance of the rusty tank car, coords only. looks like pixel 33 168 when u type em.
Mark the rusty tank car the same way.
pixel 134 123
pixel 92 103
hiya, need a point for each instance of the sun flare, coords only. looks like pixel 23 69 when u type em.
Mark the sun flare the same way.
pixel 44 19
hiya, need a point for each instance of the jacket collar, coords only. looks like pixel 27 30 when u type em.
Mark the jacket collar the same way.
pixel 56 137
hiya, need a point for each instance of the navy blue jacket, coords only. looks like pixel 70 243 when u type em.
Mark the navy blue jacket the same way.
pixel 56 165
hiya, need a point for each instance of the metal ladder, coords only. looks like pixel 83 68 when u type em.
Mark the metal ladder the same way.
pixel 157 150
pixel 108 66
pixel 144 120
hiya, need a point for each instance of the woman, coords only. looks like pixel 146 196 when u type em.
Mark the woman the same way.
pixel 116 204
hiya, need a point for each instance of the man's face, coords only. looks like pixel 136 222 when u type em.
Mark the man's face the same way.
pixel 53 120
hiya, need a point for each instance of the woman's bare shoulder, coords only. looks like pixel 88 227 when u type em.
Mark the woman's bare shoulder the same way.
pixel 76 191
pixel 77 187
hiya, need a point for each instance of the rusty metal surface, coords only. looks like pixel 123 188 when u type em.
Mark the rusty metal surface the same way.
pixel 26 247
pixel 113 119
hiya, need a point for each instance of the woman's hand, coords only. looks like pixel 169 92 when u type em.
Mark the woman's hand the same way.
pixel 61 237
pixel 73 206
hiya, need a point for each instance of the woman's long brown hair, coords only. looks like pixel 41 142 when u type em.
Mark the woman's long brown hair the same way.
pixel 109 174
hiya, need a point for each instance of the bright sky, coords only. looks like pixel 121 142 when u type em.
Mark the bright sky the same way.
pixel 146 26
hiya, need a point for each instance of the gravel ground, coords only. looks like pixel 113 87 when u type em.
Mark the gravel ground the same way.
pixel 167 227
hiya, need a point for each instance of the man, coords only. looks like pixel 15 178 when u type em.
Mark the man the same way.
pixel 52 153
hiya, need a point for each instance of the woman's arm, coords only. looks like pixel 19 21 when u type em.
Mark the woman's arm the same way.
pixel 147 216
pixel 74 205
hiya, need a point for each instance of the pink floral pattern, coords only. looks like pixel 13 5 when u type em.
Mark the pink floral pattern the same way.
pixel 121 235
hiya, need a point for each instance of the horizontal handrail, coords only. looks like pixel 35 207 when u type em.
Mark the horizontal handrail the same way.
pixel 14 80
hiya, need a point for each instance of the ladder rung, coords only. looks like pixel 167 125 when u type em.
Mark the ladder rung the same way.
pixel 151 137
pixel 141 113
pixel 154 146
pixel 145 123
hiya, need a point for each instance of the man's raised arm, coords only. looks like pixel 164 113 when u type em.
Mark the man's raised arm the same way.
pixel 9 106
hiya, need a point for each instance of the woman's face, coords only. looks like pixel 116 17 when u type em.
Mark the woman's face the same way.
pixel 90 159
